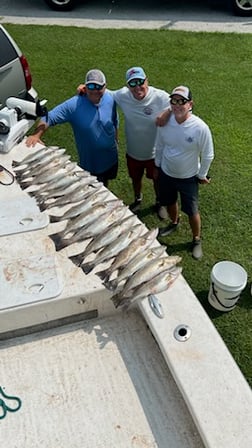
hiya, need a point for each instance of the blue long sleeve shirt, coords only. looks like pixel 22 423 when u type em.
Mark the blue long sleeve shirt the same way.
pixel 94 127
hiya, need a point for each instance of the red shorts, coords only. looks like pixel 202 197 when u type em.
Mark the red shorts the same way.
pixel 136 168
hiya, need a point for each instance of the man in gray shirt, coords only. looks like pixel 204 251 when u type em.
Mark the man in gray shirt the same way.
pixel 141 104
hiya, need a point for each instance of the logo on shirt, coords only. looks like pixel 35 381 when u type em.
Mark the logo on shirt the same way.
pixel 189 139
pixel 148 110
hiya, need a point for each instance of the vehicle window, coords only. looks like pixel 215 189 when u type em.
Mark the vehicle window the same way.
pixel 7 53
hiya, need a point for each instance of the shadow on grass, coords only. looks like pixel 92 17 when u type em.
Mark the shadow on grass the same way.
pixel 172 247
pixel 177 247
pixel 143 212
pixel 203 299
pixel 244 302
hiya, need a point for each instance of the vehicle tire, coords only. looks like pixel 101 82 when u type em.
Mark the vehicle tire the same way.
pixel 61 5
pixel 242 7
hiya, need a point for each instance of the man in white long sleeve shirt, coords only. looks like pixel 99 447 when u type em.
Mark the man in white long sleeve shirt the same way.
pixel 184 153
pixel 141 104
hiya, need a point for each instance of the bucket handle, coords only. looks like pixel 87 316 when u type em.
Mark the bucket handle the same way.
pixel 219 302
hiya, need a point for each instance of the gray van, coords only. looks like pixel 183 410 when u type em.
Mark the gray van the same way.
pixel 15 75
pixel 19 102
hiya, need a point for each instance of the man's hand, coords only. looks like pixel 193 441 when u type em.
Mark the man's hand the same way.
pixel 81 89
pixel 206 180
pixel 32 140
pixel 35 138
pixel 163 118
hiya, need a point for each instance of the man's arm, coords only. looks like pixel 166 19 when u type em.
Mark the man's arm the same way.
pixel 163 117
pixel 35 138
pixel 158 153
pixel 207 154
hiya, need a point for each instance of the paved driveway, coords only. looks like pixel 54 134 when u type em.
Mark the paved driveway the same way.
pixel 210 15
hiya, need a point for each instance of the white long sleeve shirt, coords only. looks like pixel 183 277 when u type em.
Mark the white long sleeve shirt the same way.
pixel 184 150
pixel 139 118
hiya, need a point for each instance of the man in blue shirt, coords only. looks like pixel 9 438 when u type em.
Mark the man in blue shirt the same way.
pixel 93 118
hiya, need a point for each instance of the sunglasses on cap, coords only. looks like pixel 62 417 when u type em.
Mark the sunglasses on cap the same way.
pixel 136 82
pixel 180 101
pixel 93 86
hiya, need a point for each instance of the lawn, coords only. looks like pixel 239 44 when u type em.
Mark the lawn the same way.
pixel 218 68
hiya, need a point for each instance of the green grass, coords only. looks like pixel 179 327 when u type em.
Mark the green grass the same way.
pixel 218 69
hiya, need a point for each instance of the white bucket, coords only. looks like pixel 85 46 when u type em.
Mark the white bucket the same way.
pixel 228 279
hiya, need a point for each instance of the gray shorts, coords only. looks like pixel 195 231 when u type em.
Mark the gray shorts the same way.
pixel 171 187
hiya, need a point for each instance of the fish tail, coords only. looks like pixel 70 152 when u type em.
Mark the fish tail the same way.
pixel 118 300
pixel 54 218
pixel 45 204
pixel 103 275
pixel 59 242
pixel 24 184
pixel 111 284
pixel 63 243
pixel 42 206
pixel 35 194
pixel 87 267
pixel 56 237
pixel 16 163
pixel 18 176
pixel 77 259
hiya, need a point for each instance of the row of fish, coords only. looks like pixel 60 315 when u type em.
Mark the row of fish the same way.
pixel 135 269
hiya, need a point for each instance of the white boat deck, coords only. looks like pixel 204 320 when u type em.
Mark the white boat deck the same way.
pixel 99 383
pixel 102 379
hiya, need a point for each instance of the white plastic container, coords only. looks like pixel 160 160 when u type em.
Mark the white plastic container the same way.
pixel 228 279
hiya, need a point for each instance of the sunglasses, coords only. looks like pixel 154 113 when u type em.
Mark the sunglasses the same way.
pixel 180 101
pixel 136 82
pixel 93 86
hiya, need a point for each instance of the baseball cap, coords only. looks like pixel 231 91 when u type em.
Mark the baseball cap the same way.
pixel 135 73
pixel 95 76
pixel 182 91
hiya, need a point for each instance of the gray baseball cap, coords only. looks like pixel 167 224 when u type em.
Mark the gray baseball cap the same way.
pixel 95 76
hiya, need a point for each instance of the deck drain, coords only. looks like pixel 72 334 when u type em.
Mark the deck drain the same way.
pixel 182 333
